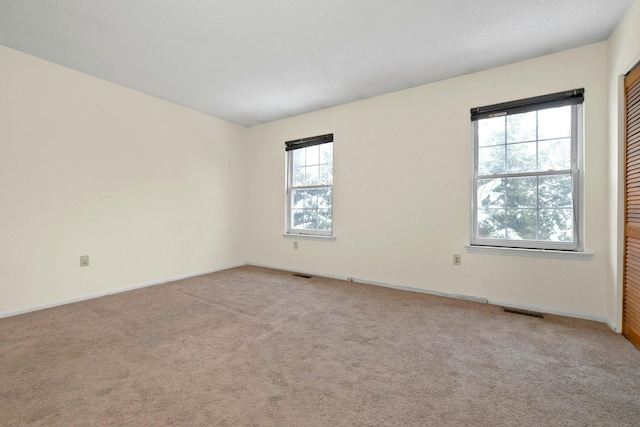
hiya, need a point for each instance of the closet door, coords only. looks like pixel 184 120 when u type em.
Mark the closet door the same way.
pixel 631 285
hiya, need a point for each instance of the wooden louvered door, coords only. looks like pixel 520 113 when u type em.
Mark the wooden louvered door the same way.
pixel 631 286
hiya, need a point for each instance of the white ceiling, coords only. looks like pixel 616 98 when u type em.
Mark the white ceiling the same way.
pixel 254 61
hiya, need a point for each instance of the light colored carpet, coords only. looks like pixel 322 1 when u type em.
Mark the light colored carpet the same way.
pixel 258 347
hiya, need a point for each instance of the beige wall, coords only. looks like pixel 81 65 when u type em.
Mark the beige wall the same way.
pixel 623 53
pixel 153 191
pixel 402 189
pixel 148 189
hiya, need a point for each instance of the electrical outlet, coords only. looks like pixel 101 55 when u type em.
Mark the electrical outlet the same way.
pixel 295 245
pixel 457 260
pixel 84 261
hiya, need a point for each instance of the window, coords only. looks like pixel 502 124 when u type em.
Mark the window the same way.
pixel 310 185
pixel 527 171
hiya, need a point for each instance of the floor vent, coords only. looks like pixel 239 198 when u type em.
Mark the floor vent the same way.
pixel 301 275
pixel 523 313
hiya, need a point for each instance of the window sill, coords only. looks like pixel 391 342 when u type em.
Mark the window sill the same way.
pixel 533 253
pixel 308 236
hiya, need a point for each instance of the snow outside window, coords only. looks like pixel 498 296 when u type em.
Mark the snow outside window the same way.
pixel 526 177
pixel 310 186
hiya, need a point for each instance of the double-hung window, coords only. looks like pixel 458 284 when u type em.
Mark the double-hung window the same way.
pixel 526 172
pixel 310 185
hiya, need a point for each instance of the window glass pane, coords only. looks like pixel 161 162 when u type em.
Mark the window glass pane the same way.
pixel 554 123
pixel 521 224
pixel 298 218
pixel 298 176
pixel 310 219
pixel 554 154
pixel 324 219
pixel 326 174
pixel 555 191
pixel 312 155
pixel 535 204
pixel 490 160
pixel 311 207
pixel 521 157
pixel 310 196
pixel 298 157
pixel 491 131
pixel 491 224
pixel 555 225
pixel 324 198
pixel 522 193
pixel 491 193
pixel 297 199
pixel 521 127
pixel 326 153
pixel 312 175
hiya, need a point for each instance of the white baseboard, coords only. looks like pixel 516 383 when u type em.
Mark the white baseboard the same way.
pixel 111 292
pixel 307 272
pixel 546 310
pixel 420 290
pixel 585 316
pixel 612 325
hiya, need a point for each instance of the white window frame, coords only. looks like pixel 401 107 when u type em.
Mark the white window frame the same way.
pixel 302 143
pixel 576 172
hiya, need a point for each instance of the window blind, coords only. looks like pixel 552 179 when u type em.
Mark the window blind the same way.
pixel 308 142
pixel 559 99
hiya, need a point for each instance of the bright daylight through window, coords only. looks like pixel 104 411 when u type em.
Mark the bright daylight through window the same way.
pixel 310 185
pixel 527 171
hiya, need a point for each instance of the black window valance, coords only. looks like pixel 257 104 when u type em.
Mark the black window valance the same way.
pixel 308 142
pixel 570 97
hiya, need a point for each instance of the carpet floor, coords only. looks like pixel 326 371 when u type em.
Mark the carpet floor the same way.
pixel 257 347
